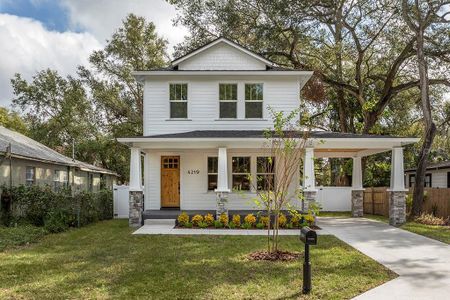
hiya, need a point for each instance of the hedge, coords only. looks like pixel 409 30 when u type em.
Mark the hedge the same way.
pixel 55 210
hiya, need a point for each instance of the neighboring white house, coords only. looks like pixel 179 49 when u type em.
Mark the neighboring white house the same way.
pixel 436 176
pixel 204 118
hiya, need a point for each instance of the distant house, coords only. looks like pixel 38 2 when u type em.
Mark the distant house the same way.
pixel 436 176
pixel 24 161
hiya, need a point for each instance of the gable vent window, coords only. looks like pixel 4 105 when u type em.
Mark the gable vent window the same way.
pixel 178 100
pixel 228 101
pixel 254 101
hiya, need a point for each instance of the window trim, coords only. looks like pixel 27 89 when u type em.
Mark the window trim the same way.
pixel 429 175
pixel 248 174
pixel 264 173
pixel 228 101
pixel 254 101
pixel 410 181
pixel 179 101
pixel 208 173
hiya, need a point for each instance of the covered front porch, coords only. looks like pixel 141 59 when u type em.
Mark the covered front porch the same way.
pixel 193 149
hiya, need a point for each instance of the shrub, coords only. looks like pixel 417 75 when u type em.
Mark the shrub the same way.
pixel 282 220
pixel 265 221
pixel 209 219
pixel 429 219
pixel 56 222
pixel 289 226
pixel 188 225
pixel 309 218
pixel 260 225
pixel 236 220
pixel 183 219
pixel 223 219
pixel 295 220
pixel 232 225
pixel 202 224
pixel 218 224
pixel 250 219
pixel 197 219
pixel 246 225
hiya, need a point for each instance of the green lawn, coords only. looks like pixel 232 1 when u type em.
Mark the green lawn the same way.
pixel 105 261
pixel 11 237
pixel 440 233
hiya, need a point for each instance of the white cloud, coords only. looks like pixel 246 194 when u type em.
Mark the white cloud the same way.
pixel 103 17
pixel 27 47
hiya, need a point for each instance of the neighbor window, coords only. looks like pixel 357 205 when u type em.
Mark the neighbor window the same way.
pixel 412 180
pixel 60 179
pixel 427 180
pixel 228 101
pixel 212 173
pixel 240 173
pixel 254 100
pixel 91 182
pixel 178 100
pixel 265 173
pixel 30 176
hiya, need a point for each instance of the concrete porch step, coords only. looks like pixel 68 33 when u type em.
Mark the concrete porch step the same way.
pixel 161 222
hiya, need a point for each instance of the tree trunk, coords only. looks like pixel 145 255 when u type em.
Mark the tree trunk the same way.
pixel 430 127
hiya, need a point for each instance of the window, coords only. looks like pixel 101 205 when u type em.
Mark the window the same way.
pixel 30 176
pixel 448 179
pixel 412 180
pixel 91 182
pixel 265 173
pixel 178 100
pixel 254 100
pixel 212 173
pixel 60 179
pixel 240 173
pixel 428 180
pixel 228 101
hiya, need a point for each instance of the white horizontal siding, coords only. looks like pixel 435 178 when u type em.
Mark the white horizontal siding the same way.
pixel 203 103
pixel 194 194
pixel 438 178
pixel 222 57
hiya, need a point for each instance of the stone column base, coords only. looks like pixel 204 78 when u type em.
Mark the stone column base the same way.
pixel 397 208
pixel 308 198
pixel 357 203
pixel 222 198
pixel 135 205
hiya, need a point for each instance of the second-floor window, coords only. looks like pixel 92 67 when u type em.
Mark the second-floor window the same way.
pixel 30 176
pixel 228 101
pixel 254 101
pixel 178 100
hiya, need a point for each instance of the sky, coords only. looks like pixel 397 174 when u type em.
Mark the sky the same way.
pixel 60 34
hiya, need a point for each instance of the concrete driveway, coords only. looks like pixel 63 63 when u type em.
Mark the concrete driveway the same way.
pixel 422 263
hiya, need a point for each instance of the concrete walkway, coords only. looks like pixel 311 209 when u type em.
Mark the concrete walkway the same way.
pixel 422 263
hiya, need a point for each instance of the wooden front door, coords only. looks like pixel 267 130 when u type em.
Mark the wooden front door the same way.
pixel 170 181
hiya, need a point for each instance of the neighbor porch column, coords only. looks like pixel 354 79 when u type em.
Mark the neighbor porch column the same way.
pixel 309 179
pixel 222 182
pixel 397 200
pixel 135 186
pixel 357 189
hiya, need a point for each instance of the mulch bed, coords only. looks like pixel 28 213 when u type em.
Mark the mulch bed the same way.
pixel 275 256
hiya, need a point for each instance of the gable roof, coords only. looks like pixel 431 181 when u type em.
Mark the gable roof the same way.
pixel 24 147
pixel 433 166
pixel 228 42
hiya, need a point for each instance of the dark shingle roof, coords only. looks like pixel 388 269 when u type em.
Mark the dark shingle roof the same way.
pixel 434 166
pixel 258 134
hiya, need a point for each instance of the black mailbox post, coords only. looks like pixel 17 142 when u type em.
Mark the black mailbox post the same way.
pixel 309 237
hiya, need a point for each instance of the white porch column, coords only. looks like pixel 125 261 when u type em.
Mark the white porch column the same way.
pixel 222 189
pixel 135 170
pixel 222 172
pixel 309 179
pixel 357 189
pixel 397 201
pixel 136 196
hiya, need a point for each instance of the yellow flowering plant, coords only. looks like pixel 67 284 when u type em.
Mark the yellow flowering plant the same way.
pixel 282 220
pixel 250 219
pixel 223 219
pixel 236 220
pixel 183 219
pixel 197 219
pixel 209 219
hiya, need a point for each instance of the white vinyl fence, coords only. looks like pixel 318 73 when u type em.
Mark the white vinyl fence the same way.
pixel 335 198
pixel 121 198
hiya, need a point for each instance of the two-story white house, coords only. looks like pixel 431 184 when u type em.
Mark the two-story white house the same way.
pixel 204 118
